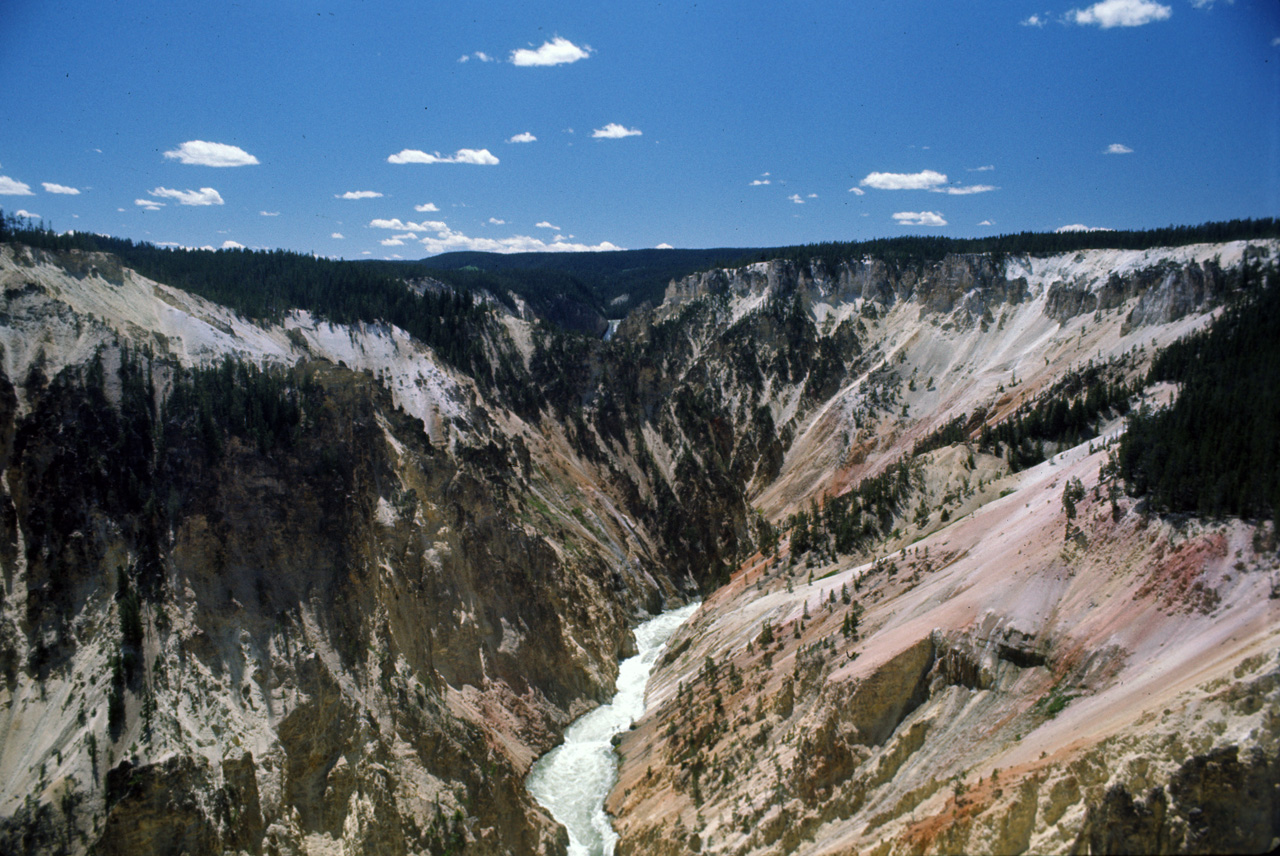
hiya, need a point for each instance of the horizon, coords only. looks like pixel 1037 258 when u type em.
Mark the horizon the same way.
pixel 408 132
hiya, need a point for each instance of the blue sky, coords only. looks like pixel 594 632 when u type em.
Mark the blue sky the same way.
pixel 381 129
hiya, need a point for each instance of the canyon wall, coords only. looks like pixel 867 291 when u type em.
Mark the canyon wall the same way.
pixel 347 608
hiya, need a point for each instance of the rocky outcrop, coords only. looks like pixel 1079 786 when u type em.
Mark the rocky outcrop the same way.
pixel 220 638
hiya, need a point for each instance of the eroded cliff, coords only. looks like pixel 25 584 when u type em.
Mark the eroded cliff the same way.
pixel 290 586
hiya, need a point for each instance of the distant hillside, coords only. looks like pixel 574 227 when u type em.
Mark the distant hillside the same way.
pixel 619 280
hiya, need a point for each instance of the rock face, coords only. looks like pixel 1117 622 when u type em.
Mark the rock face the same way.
pixel 220 637
pixel 291 587
pixel 1006 671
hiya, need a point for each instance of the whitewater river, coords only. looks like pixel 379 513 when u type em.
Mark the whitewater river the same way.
pixel 572 780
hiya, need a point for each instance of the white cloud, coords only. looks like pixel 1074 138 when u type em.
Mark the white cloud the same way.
pixel 358 194
pixel 664 246
pixel 478 55
pixel 1118 149
pixel 1035 21
pixel 525 137
pixel 50 187
pixel 446 240
pixel 858 191
pixel 22 212
pixel 795 197
pixel 392 242
pixel 13 187
pixel 201 153
pixel 988 168
pixel 919 218
pixel 269 213
pixel 232 245
pixel 426 206
pixel 1207 4
pixel 986 223
pixel 1080 227
pixel 614 131
pixel 1120 13
pixel 203 196
pixel 494 221
pixel 760 182
pixel 965 190
pixel 338 236
pixel 558 51
pixel 545 225
pixel 904 181
pixel 480 157
pixel 400 226
pixel 148 204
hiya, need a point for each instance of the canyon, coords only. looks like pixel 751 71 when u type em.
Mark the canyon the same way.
pixel 348 610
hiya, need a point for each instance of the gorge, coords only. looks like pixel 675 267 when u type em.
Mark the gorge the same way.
pixel 573 780
pixel 284 574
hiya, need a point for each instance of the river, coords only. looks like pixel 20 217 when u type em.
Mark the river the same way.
pixel 572 780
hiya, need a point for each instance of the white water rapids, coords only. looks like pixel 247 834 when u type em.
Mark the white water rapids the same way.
pixel 572 780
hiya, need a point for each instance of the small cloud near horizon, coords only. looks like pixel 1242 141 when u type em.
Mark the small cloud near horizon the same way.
pixel 201 197
pixel 919 218
pixel 1118 149
pixel 426 206
pixel 524 137
pixel 358 194
pixel 50 187
pixel 1080 227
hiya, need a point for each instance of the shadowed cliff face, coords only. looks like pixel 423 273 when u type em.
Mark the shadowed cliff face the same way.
pixel 335 593
pixel 339 632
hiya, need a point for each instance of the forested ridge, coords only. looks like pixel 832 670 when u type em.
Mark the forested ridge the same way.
pixel 932 248
pixel 561 287
pixel 1215 451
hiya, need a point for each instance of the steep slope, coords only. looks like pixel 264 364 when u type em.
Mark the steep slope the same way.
pixel 1015 661
pixel 359 626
